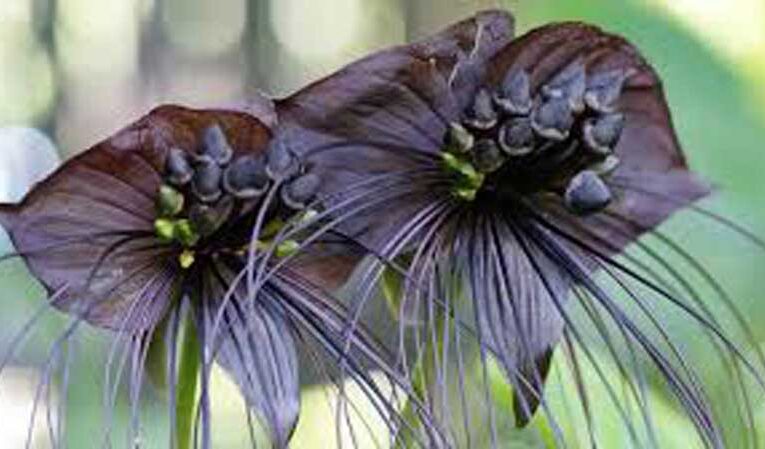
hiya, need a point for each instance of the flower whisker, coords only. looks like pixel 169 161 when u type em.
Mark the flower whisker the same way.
pixel 24 332
pixel 729 361
pixel 637 388
pixel 124 344
pixel 334 338
pixel 662 196
pixel 347 209
pixel 694 402
pixel 680 304
pixel 572 329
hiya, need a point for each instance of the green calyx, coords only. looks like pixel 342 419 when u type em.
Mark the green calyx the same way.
pixel 171 228
pixel 468 180
pixel 179 231
pixel 272 229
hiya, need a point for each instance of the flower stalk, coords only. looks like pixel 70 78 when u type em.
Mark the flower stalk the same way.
pixel 187 384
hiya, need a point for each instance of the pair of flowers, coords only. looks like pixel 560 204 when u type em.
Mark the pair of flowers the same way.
pixel 484 177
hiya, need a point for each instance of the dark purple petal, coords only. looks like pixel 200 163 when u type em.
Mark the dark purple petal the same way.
pixel 517 296
pixel 399 95
pixel 471 41
pixel 255 343
pixel 327 263
pixel 382 114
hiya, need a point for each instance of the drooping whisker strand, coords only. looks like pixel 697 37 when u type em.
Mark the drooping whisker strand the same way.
pixel 678 303
pixel 303 311
pixel 717 218
pixel 573 330
pixel 339 213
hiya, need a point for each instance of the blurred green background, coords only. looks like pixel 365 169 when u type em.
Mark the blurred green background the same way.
pixel 74 71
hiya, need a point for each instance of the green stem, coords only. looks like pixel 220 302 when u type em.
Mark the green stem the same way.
pixel 187 384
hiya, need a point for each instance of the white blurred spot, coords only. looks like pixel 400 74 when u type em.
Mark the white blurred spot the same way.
pixel 203 27
pixel 313 29
pixel 17 398
pixel 15 11
pixel 26 157
pixel 733 26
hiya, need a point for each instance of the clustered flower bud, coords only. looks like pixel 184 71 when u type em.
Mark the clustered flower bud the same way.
pixel 569 130
pixel 201 189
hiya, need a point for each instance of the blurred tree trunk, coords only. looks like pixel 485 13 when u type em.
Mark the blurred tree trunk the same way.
pixel 261 48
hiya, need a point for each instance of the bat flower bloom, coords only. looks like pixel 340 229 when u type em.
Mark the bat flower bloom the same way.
pixel 495 179
pixel 169 235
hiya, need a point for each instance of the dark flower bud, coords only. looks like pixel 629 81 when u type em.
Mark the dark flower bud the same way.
pixel 282 163
pixel 602 134
pixel 300 191
pixel 487 157
pixel 215 145
pixel 458 139
pixel 207 181
pixel 553 119
pixel 516 137
pixel 603 89
pixel 570 84
pixel 586 193
pixel 207 219
pixel 246 178
pixel 179 171
pixel 482 115
pixel 514 96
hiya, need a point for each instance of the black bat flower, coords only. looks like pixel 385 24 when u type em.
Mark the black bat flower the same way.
pixel 496 176
pixel 169 235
